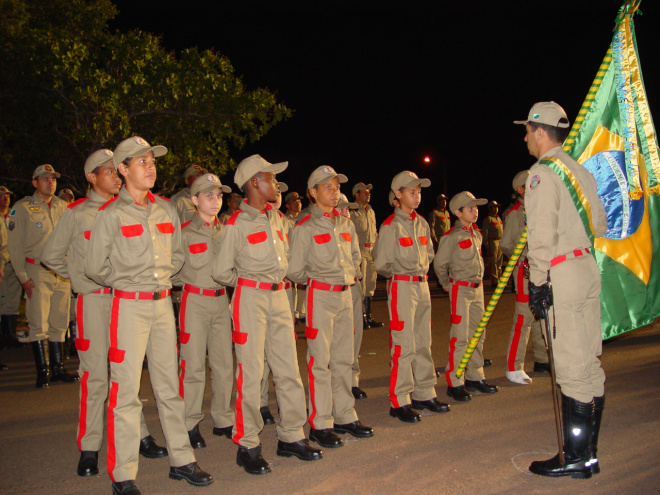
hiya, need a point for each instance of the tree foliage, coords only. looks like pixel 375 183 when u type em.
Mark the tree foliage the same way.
pixel 70 87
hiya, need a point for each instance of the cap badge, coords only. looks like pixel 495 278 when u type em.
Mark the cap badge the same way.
pixel 108 152
pixel 48 168
pixel 536 116
pixel 413 175
pixel 212 178
pixel 141 142
pixel 329 170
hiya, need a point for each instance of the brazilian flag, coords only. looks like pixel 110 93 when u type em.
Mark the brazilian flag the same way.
pixel 614 138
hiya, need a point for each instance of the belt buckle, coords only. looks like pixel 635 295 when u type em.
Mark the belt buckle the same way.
pixel 275 286
pixel 218 292
pixel 157 295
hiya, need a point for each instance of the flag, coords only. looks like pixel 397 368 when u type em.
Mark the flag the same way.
pixel 614 138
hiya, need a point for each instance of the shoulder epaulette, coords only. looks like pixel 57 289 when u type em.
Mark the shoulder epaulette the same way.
pixel 304 219
pixel 185 224
pixel 514 208
pixel 71 206
pixel 103 207
pixel 163 197
pixel 233 217
pixel 388 220
pixel 449 231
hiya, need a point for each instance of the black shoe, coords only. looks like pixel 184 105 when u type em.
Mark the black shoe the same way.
pixel 252 461
pixel 371 323
pixel 223 432
pixel 267 416
pixel 487 363
pixel 300 449
pixel 356 429
pixel 88 465
pixel 459 393
pixel 192 473
pixel 433 405
pixel 196 439
pixel 541 367
pixel 57 371
pixel 40 351
pixel 127 487
pixel 358 393
pixel 481 386
pixel 406 414
pixel 326 438
pixel 150 449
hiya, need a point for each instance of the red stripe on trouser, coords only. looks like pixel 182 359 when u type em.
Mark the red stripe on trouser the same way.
pixel 112 454
pixel 80 342
pixel 395 324
pixel 393 375
pixel 182 376
pixel 452 349
pixel 237 337
pixel 521 297
pixel 312 391
pixel 455 319
pixel 515 342
pixel 115 355
pixel 389 291
pixel 183 336
pixel 240 429
pixel 310 331
pixel 82 417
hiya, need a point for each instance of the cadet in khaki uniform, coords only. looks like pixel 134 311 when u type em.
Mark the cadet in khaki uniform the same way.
pixel 402 254
pixel 204 320
pixel 460 271
pixel 65 253
pixel 325 255
pixel 524 323
pixel 439 220
pixel 135 248
pixel 253 258
pixel 491 230
pixel 293 203
pixel 48 296
pixel 10 287
pixel 344 208
pixel 233 205
pixel 181 200
pixel 364 219
pixel 560 252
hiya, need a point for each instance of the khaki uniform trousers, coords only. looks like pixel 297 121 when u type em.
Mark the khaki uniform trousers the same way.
pixel 300 301
pixel 358 330
pixel 92 343
pixel 10 292
pixel 524 325
pixel 329 357
pixel 47 311
pixel 205 326
pixel 138 328
pixel 263 326
pixel 495 259
pixel 412 371
pixel 576 314
pixel 368 270
pixel 467 308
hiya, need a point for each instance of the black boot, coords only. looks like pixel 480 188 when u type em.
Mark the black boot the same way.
pixel 577 436
pixel 371 323
pixel 57 371
pixel 40 350
pixel 599 405
pixel 71 350
pixel 88 465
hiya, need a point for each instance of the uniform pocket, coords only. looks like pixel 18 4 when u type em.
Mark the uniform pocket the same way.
pixel 132 230
pixel 465 244
pixel 165 228
pixel 258 247
pixel 405 241
pixel 423 240
pixel 198 248
pixel 346 236
pixel 322 238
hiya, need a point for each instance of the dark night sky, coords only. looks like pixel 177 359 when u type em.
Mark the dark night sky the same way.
pixel 377 85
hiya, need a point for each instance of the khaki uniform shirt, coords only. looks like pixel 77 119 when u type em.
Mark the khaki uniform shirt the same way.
pixel 491 228
pixel 66 249
pixel 133 248
pixel 252 246
pixel 439 222
pixel 226 215
pixel 513 228
pixel 323 250
pixel 404 245
pixel 459 255
pixel 30 223
pixel 184 205
pixel 201 243
pixel 554 224
pixel 292 220
pixel 364 219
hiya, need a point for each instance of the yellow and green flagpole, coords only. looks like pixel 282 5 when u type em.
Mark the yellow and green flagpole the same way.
pixel 501 284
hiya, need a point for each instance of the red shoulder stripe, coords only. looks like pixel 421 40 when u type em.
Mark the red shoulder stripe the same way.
pixel 71 206
pixel 232 218
pixel 108 202
pixel 448 232
pixel 388 220
pixel 185 224
pixel 304 219
pixel 162 197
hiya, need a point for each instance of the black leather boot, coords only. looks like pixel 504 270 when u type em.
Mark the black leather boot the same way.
pixel 88 465
pixel 57 371
pixel 71 350
pixel 599 405
pixel 40 350
pixel 577 436
pixel 371 323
